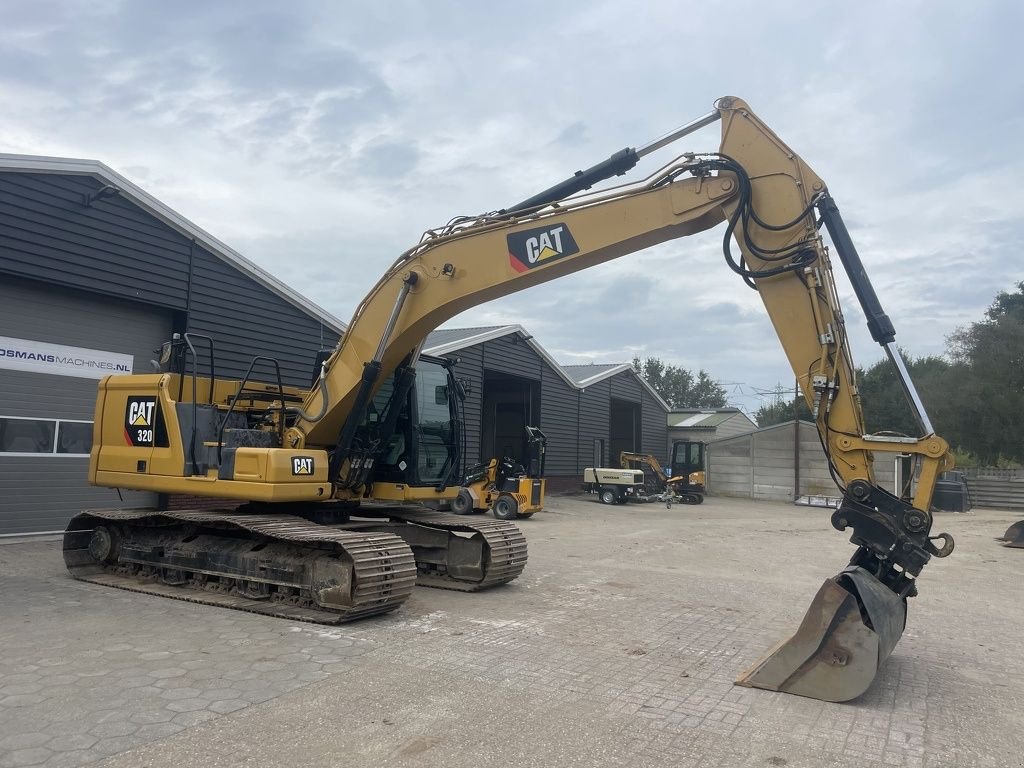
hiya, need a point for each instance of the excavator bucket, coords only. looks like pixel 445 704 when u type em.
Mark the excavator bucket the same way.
pixel 1014 536
pixel 851 627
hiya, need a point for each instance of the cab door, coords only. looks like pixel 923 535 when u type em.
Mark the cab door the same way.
pixel 687 457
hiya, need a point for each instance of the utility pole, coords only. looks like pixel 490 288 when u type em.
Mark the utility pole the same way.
pixel 796 440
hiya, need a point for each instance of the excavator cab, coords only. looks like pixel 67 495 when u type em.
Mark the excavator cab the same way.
pixel 688 463
pixel 419 435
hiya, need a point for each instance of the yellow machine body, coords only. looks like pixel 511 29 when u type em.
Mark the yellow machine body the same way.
pixel 683 488
pixel 138 443
pixel 526 492
pixel 505 487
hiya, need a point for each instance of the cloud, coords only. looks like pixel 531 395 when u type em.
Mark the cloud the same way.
pixel 388 159
pixel 573 134
pixel 320 140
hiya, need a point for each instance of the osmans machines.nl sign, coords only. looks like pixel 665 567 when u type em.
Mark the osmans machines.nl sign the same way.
pixel 60 360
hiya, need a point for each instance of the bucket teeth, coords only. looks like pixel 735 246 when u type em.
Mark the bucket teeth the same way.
pixel 851 627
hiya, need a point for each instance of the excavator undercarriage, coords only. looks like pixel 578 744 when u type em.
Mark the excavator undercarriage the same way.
pixel 288 566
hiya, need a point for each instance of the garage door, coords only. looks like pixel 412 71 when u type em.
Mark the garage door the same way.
pixel 55 345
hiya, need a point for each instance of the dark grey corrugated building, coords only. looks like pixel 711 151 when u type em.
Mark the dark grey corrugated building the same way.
pixel 589 412
pixel 619 411
pixel 94 275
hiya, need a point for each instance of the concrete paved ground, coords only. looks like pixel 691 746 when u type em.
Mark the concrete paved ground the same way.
pixel 618 646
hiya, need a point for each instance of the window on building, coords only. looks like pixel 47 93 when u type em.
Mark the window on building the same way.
pixel 47 437
pixel 74 437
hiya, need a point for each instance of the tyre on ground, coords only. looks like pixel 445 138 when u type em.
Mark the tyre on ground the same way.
pixel 505 507
pixel 463 503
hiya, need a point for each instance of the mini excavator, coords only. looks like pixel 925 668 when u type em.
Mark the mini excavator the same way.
pixel 317 487
pixel 685 482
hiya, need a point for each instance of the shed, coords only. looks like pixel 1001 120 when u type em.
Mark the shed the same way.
pixel 707 424
pixel 761 464
pixel 618 403
pixel 589 413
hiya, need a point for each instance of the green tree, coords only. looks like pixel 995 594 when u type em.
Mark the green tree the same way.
pixel 974 397
pixel 679 387
pixel 884 404
pixel 781 409
pixel 991 396
pixel 940 384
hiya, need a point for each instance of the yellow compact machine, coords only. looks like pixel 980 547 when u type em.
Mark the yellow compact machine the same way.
pixel 318 486
pixel 504 486
pixel 684 484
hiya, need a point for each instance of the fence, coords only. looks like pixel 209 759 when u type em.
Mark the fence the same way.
pixel 998 488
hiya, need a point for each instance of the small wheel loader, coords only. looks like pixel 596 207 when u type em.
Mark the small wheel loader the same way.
pixel 504 486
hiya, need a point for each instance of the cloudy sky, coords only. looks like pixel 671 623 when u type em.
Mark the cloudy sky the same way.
pixel 320 139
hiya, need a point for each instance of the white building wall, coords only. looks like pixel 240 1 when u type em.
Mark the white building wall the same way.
pixel 759 465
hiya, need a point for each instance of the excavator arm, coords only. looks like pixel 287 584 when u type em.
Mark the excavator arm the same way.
pixel 774 205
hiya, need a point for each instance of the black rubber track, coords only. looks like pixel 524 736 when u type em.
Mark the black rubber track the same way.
pixel 384 569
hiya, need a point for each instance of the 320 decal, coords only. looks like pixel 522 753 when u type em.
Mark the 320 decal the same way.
pixel 140 421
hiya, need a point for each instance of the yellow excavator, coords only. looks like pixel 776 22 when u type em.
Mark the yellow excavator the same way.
pixel 327 478
pixel 685 482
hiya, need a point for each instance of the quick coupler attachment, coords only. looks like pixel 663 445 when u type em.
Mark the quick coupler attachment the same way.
pixel 858 616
